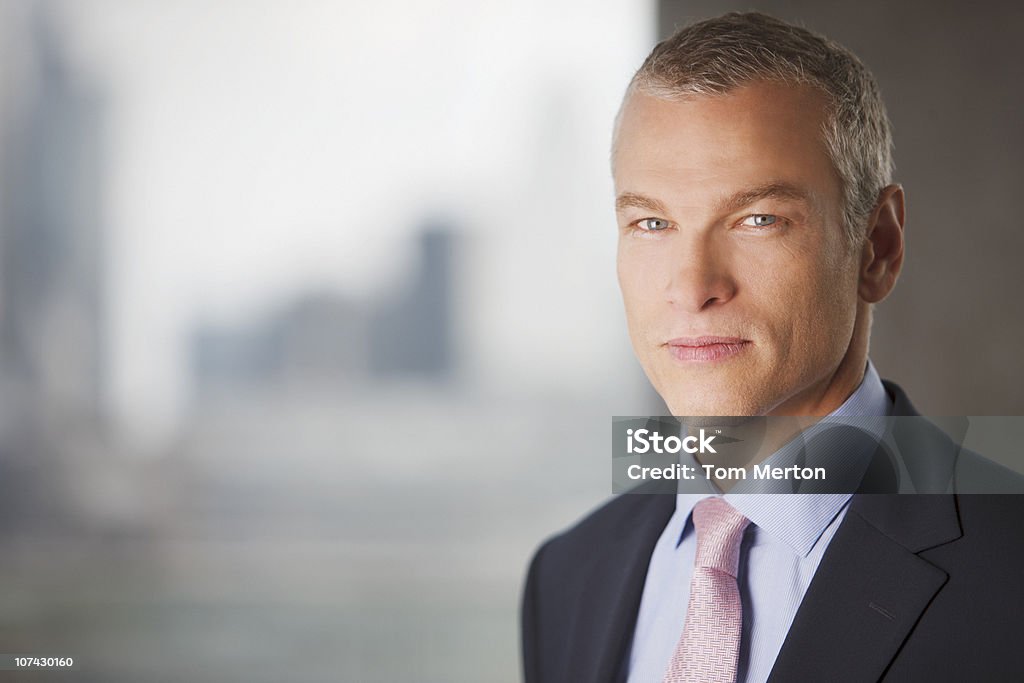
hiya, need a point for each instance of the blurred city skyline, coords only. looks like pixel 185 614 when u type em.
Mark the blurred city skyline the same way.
pixel 245 156
pixel 308 317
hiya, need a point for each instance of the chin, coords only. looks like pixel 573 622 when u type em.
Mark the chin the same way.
pixel 689 408
pixel 690 397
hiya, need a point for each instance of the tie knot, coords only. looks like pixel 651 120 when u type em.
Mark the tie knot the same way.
pixel 719 529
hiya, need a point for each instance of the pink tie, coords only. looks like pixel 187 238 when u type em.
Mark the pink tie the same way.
pixel 709 647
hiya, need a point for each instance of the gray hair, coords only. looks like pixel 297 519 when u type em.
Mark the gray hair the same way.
pixel 715 56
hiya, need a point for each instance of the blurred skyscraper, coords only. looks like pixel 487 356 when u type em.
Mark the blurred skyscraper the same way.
pixel 324 340
pixel 51 223
pixel 412 333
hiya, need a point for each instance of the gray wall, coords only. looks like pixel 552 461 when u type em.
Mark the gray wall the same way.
pixel 952 333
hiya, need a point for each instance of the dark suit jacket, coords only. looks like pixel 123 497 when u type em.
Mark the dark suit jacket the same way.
pixel 911 588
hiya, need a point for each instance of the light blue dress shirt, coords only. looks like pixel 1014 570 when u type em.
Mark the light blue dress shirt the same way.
pixel 781 550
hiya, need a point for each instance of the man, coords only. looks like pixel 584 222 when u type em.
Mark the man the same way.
pixel 758 226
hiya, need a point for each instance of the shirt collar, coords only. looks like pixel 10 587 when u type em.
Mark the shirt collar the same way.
pixel 799 519
pixel 869 398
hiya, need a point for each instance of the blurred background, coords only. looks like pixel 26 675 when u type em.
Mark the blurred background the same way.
pixel 305 307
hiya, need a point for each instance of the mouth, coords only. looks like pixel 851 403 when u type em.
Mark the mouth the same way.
pixel 707 349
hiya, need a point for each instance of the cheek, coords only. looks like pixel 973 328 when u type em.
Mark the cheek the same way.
pixel 829 311
pixel 635 280
pixel 777 288
pixel 643 305
pixel 628 286
pixel 808 300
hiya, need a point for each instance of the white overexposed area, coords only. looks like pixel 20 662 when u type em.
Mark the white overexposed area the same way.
pixel 259 149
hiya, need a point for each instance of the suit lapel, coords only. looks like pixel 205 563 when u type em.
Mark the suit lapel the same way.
pixel 869 590
pixel 871 587
pixel 615 584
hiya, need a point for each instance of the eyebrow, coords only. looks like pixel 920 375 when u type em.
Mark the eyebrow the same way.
pixel 771 190
pixel 632 200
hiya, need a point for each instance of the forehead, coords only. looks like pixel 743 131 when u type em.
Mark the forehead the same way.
pixel 712 144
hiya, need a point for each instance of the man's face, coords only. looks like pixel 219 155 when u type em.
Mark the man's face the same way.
pixel 740 289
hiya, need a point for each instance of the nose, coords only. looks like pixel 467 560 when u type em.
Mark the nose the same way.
pixel 700 277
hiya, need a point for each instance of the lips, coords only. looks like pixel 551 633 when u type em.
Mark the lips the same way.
pixel 706 348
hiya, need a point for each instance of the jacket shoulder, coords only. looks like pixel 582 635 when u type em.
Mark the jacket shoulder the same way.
pixel 580 568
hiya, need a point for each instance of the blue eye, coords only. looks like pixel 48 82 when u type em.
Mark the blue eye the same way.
pixel 653 224
pixel 760 220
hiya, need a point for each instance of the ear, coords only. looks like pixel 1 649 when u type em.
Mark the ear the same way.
pixel 882 254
